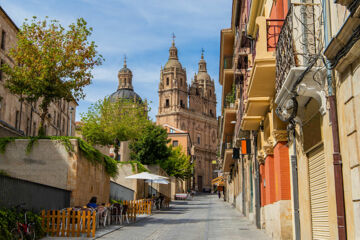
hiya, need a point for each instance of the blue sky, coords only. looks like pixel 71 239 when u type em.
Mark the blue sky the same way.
pixel 142 30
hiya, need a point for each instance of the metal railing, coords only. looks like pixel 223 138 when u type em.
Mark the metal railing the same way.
pixel 300 40
pixel 273 28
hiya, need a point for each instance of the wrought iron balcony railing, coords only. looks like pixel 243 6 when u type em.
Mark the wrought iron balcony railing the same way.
pixel 300 41
pixel 273 28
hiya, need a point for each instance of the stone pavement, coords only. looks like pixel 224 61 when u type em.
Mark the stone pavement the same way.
pixel 204 217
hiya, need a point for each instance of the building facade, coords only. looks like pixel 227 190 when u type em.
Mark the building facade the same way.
pixel 19 118
pixel 191 108
pixel 289 72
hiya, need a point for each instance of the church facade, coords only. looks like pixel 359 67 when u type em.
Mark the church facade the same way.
pixel 191 108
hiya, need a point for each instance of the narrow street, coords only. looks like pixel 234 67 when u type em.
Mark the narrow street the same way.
pixel 204 217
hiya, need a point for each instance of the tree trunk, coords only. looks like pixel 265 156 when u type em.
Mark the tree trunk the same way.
pixel 45 109
pixel 116 149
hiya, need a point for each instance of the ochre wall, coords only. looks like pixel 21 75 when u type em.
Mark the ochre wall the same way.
pixel 50 164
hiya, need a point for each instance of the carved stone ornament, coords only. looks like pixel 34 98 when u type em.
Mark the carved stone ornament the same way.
pixel 269 146
pixel 261 157
pixel 314 88
pixel 279 136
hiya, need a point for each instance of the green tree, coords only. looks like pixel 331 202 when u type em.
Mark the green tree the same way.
pixel 151 146
pixel 178 164
pixel 51 63
pixel 108 122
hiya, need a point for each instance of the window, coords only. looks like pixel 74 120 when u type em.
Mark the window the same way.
pixel 27 127
pixel 63 126
pixel 1 73
pixel 17 119
pixel 175 143
pixel 211 113
pixel 181 103
pixel 3 37
pixel 198 139
pixel 210 93
pixel 171 130
pixel 167 103
pixel 197 91
pixel 34 129
pixel 181 82
pixel 167 81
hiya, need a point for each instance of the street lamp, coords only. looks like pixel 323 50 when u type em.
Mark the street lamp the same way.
pixel 71 109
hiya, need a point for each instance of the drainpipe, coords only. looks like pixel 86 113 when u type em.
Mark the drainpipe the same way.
pixel 295 189
pixel 337 161
pixel 243 184
pixel 257 183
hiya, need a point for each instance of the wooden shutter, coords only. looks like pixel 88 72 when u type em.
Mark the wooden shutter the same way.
pixel 318 194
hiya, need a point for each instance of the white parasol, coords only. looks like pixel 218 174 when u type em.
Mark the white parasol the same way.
pixel 159 181
pixel 147 176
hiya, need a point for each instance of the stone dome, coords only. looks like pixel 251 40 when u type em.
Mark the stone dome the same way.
pixel 125 89
pixel 173 57
pixel 128 94
pixel 173 63
pixel 202 73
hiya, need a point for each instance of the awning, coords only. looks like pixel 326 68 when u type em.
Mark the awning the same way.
pixel 217 180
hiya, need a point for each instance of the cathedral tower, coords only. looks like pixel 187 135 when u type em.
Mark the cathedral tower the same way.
pixel 192 109
pixel 173 85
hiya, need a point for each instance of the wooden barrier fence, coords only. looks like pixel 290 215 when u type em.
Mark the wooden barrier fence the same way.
pixel 75 223
pixel 69 223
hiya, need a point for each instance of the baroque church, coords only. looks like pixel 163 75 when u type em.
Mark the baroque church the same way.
pixel 191 108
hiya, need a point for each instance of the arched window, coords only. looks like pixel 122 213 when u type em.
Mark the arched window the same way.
pixel 167 103
pixel 210 92
pixel 181 82
pixel 181 103
pixel 167 81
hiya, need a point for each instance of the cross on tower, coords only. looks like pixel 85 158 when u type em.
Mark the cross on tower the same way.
pixel 124 60
pixel 173 37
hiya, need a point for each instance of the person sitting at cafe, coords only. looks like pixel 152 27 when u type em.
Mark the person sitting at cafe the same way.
pixel 92 203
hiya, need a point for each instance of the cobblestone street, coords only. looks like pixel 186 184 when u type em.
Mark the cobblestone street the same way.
pixel 204 217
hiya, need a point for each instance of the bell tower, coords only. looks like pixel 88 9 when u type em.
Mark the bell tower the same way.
pixel 173 86
pixel 125 77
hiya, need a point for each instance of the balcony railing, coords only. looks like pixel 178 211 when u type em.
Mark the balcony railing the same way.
pixel 273 28
pixel 300 40
pixel 228 62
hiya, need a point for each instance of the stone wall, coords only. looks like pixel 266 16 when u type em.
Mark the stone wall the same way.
pixel 164 189
pixel 50 164
pixel 177 186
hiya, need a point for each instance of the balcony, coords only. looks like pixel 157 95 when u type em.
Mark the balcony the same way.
pixel 229 119
pixel 228 62
pixel 299 69
pixel 228 151
pixel 226 52
pixel 262 77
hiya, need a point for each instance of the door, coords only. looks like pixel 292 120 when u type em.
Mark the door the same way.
pixel 200 185
pixel 318 194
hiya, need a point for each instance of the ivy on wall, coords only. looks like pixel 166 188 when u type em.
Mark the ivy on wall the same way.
pixel 91 154
pixel 137 167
